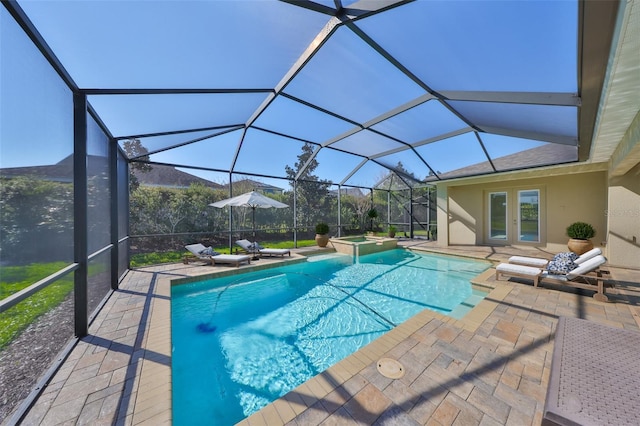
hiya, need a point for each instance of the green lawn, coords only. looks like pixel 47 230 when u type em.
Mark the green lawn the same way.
pixel 147 259
pixel 14 278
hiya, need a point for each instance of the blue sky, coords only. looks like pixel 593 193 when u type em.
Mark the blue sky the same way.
pixel 526 46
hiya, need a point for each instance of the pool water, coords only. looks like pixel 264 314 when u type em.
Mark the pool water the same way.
pixel 243 341
pixel 354 239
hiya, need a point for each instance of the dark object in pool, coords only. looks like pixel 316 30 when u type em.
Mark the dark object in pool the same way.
pixel 206 328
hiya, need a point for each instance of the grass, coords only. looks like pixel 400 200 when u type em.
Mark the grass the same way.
pixel 147 259
pixel 14 278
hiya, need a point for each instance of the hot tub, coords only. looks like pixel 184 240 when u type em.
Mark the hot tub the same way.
pixel 361 245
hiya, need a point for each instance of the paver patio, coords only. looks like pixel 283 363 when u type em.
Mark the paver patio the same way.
pixel 491 367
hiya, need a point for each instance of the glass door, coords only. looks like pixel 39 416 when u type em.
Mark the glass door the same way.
pixel 498 217
pixel 529 216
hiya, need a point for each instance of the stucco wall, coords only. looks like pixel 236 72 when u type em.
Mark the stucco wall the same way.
pixel 572 198
pixel 563 200
pixel 465 215
pixel 442 204
pixel 623 215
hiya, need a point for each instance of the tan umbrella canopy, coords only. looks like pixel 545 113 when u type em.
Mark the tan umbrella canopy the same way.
pixel 254 200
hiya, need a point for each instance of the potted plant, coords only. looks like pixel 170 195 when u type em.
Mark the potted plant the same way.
pixel 372 214
pixel 580 234
pixel 392 231
pixel 322 234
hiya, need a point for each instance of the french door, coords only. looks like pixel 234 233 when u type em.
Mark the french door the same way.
pixel 514 216
pixel 529 216
pixel 498 217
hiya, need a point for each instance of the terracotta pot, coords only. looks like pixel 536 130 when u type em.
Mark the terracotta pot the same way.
pixel 322 240
pixel 579 246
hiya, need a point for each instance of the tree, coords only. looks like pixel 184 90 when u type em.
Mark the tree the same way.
pixel 134 149
pixel 36 220
pixel 354 212
pixel 160 210
pixel 396 178
pixel 313 193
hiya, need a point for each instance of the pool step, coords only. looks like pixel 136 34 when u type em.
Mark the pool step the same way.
pixel 469 303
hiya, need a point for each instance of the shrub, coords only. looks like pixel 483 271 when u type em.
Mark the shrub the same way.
pixel 580 231
pixel 372 214
pixel 322 228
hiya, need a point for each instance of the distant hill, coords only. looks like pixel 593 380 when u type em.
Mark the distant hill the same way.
pixel 170 177
pixel 257 186
pixel 159 175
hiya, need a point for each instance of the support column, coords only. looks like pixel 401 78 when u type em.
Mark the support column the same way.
pixel 115 206
pixel 411 212
pixel 230 214
pixel 339 211
pixel 80 221
pixel 442 205
pixel 295 214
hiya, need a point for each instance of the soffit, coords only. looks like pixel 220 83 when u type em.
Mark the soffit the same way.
pixel 621 98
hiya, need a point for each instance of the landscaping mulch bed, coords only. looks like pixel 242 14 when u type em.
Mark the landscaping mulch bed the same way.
pixel 30 355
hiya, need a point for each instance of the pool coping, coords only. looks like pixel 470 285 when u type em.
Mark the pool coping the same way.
pixel 153 395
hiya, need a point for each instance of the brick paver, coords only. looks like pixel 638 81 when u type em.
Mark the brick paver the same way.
pixel 490 368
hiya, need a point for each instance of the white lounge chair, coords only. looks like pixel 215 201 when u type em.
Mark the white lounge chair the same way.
pixel 540 262
pixel 588 275
pixel 208 255
pixel 255 248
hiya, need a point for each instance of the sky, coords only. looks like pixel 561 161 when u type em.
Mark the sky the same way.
pixel 524 46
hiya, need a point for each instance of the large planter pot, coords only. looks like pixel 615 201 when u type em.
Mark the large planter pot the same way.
pixel 579 246
pixel 322 240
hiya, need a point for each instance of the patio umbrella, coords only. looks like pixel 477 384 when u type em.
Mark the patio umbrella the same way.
pixel 254 200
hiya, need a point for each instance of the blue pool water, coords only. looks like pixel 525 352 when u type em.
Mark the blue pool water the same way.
pixel 243 341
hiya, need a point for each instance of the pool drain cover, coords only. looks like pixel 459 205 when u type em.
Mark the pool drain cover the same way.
pixel 390 368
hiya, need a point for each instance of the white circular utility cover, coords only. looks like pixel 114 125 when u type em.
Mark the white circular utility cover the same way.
pixel 390 368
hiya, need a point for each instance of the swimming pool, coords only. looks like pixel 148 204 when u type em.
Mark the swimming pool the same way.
pixel 362 245
pixel 241 342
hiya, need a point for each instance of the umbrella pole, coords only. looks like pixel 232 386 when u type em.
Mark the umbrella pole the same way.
pixel 253 213
pixel 255 252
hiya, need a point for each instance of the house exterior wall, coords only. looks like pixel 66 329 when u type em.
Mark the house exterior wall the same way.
pixel 465 215
pixel 623 218
pixel 564 199
pixel 442 216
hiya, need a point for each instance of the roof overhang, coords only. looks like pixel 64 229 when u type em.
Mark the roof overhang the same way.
pixel 596 28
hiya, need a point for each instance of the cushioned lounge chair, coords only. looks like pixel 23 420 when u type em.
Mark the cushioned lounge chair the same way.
pixel 594 375
pixel 540 262
pixel 208 255
pixel 255 249
pixel 588 275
